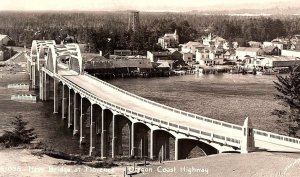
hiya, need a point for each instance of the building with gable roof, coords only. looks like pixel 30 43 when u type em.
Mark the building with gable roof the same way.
pixel 243 52
pixel 4 39
pixel 192 47
pixel 169 40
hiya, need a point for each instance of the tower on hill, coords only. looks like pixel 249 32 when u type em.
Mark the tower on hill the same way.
pixel 134 20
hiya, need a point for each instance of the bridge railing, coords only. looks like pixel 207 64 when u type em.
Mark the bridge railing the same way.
pixel 276 138
pixel 200 134
pixel 258 134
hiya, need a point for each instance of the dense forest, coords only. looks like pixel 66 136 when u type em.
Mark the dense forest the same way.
pixel 107 31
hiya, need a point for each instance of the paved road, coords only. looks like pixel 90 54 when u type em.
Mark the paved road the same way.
pixel 113 96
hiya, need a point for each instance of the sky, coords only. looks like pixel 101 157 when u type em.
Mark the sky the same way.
pixel 143 5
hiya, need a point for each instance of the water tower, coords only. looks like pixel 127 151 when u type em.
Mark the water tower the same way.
pixel 134 20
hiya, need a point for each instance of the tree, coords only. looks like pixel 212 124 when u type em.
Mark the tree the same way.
pixel 19 134
pixel 288 93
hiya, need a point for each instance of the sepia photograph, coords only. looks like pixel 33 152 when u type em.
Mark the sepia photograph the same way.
pixel 136 88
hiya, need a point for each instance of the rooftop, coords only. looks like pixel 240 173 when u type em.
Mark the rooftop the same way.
pixel 248 49
pixel 2 36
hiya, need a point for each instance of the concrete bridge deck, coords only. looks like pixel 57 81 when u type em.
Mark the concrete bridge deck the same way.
pixel 116 97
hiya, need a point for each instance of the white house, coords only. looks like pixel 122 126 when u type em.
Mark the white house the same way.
pixel 192 47
pixel 4 39
pixel 169 40
pixel 205 57
pixel 187 57
pixel 291 53
pixel 243 52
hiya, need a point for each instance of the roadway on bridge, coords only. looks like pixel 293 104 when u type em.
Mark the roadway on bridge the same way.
pixel 118 98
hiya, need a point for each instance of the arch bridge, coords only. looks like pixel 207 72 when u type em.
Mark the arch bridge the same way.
pixel 114 122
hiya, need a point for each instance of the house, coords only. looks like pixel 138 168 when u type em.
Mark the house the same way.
pixel 169 40
pixel 272 50
pixel 213 41
pixel 228 56
pixel 205 57
pixel 243 52
pixel 266 44
pixel 255 44
pixel 122 52
pixel 278 61
pixel 155 56
pixel 219 42
pixel 5 40
pixel 187 57
pixel 291 53
pixel 192 47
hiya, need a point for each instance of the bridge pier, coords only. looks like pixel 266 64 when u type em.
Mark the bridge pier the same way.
pixel 84 105
pixel 92 132
pixel 70 110
pixel 33 77
pixel 55 96
pixel 114 137
pixel 46 87
pixel 151 144
pixel 41 84
pixel 76 114
pixel 176 149
pixel 132 140
pixel 103 135
pixel 64 102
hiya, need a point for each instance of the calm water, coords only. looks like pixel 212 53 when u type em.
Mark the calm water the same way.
pixel 228 97
pixel 225 97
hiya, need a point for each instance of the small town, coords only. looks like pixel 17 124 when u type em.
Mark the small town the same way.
pixel 128 88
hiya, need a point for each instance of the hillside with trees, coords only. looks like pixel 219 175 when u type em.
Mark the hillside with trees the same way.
pixel 108 30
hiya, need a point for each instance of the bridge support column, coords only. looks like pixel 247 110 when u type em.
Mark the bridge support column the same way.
pixel 55 97
pixel 92 133
pixel 70 110
pixel 132 140
pixel 151 144
pixel 33 76
pixel 176 148
pixel 82 127
pixel 76 112
pixel 41 85
pixel 114 138
pixel 64 103
pixel 103 136
pixel 46 87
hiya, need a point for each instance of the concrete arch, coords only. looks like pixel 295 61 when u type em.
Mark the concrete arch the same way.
pixel 142 139
pixel 191 148
pixel 163 145
pixel 122 135
pixel 85 113
pixel 51 59
pixel 38 48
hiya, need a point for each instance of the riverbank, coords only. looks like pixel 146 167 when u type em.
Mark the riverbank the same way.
pixel 22 162
pixel 232 165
